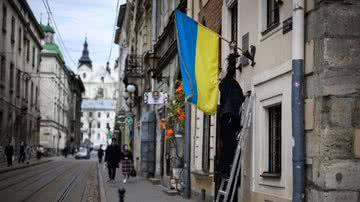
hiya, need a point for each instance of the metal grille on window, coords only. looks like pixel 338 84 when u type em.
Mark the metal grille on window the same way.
pixel 273 15
pixel 275 139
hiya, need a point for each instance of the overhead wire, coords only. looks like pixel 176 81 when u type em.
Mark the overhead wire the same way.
pixel 114 30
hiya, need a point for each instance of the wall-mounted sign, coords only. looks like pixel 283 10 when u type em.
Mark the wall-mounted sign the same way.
pixel 155 97
pixel 287 25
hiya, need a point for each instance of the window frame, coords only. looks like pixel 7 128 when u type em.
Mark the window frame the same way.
pixel 274 159
pixel 99 114
pixel 12 33
pixel 4 18
pixel 33 57
pixel 234 28
pixel 90 114
pixel 2 69
pixel 11 78
pixel 18 83
pixel 270 21
pixel 206 143
pixel 98 125
pixel 20 39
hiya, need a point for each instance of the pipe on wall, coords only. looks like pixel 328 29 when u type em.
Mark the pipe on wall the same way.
pixel 297 100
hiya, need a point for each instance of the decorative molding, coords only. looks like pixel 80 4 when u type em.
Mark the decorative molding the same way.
pixel 272 73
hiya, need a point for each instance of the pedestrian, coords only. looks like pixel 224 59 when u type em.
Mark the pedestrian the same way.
pixel 100 154
pixel 38 152
pixel 112 158
pixel 126 162
pixel 9 152
pixel 22 153
pixel 28 153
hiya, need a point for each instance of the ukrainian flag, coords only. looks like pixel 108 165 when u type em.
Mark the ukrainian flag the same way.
pixel 198 53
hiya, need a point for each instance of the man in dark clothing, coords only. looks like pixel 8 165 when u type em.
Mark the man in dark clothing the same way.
pixel 9 152
pixel 22 153
pixel 100 153
pixel 231 99
pixel 112 158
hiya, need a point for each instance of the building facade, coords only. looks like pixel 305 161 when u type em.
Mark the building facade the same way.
pixel 60 98
pixel 266 29
pixel 99 100
pixel 330 121
pixel 20 46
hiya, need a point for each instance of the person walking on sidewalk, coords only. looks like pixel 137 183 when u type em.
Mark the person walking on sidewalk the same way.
pixel 100 153
pixel 112 158
pixel 126 162
pixel 9 152
pixel 22 153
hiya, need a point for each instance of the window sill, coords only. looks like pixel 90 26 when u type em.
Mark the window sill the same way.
pixel 269 29
pixel 271 175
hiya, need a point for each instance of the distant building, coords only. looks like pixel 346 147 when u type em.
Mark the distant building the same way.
pixel 20 47
pixel 99 99
pixel 97 116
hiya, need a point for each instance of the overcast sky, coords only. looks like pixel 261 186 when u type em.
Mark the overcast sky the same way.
pixel 79 18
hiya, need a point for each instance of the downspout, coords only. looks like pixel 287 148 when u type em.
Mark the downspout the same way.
pixel 153 23
pixel 297 100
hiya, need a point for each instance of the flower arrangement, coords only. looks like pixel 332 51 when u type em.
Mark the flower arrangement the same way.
pixel 175 114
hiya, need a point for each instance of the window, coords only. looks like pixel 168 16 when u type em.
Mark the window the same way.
pixel 206 143
pixel 26 90
pixel 32 94
pixel 99 125
pixel 108 115
pixel 36 97
pixel 90 114
pixel 12 77
pixel 234 21
pixel 12 35
pixel 108 126
pixel 27 50
pixel 274 132
pixel 272 14
pixel 18 79
pixel 84 75
pixel 98 136
pixel 3 69
pixel 81 114
pixel 99 114
pixel 4 18
pixel 1 120
pixel 20 41
pixel 33 57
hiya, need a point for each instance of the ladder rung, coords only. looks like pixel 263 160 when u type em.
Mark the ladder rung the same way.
pixel 222 192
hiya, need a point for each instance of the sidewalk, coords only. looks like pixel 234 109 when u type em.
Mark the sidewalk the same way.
pixel 137 189
pixel 33 162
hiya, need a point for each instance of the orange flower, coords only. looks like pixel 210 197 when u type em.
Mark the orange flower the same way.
pixel 169 132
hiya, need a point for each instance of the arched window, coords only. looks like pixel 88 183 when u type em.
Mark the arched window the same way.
pixel 84 75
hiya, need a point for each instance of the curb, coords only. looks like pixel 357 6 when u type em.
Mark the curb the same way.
pixel 25 166
pixel 100 184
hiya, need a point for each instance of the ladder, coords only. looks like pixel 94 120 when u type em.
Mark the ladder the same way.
pixel 228 187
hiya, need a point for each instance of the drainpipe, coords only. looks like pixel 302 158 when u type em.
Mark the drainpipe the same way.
pixel 153 22
pixel 297 100
pixel 187 151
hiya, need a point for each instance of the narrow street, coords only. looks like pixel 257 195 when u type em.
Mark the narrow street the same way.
pixel 60 180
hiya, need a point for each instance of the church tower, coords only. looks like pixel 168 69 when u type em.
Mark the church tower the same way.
pixel 85 59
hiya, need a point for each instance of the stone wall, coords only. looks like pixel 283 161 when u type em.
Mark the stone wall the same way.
pixel 332 101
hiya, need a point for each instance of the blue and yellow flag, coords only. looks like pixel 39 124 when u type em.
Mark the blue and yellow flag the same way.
pixel 198 52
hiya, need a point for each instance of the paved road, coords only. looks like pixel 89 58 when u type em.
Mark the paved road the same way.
pixel 61 180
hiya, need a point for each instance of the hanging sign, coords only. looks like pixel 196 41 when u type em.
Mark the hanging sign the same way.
pixel 155 97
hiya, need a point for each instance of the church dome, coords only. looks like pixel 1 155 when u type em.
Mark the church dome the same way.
pixel 52 47
pixel 47 28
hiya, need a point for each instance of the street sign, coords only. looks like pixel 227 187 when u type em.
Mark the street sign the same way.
pixel 155 97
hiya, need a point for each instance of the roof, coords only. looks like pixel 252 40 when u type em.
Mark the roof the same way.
pixel 54 48
pixel 105 104
pixel 47 28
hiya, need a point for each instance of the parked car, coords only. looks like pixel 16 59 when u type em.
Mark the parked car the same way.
pixel 83 153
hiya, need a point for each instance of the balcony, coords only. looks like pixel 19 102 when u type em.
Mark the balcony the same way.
pixel 134 67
